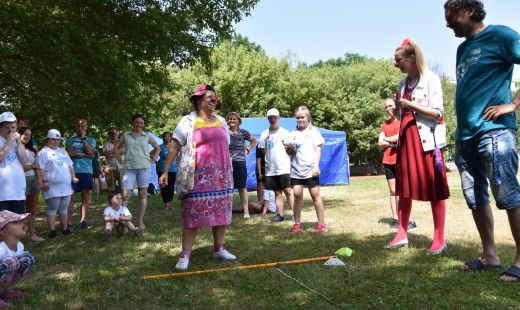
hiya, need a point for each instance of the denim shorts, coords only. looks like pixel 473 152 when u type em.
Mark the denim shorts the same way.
pixel 489 159
pixel 140 176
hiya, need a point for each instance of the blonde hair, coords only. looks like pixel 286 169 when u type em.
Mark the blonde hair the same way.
pixel 409 48
pixel 307 112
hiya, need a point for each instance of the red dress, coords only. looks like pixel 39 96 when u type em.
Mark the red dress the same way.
pixel 415 174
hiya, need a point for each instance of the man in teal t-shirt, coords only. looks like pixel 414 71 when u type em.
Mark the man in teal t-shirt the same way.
pixel 81 150
pixel 486 125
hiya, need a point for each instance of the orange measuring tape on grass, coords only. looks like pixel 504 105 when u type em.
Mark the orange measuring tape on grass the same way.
pixel 266 265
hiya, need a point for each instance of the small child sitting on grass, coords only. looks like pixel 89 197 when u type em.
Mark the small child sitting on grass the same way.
pixel 267 205
pixel 118 217
pixel 14 262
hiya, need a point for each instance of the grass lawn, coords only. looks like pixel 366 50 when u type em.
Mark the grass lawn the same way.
pixel 81 272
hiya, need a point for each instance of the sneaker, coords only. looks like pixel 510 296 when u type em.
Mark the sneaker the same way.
pixel 296 228
pixel 66 232
pixel 52 234
pixel 320 228
pixel 412 226
pixel 224 254
pixel 83 225
pixel 247 217
pixel 278 218
pixel 393 224
pixel 69 227
pixel 182 263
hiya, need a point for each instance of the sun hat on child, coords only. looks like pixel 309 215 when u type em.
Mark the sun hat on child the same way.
pixel 7 217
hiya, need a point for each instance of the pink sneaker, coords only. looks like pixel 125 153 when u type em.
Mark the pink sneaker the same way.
pixel 4 304
pixel 320 228
pixel 296 228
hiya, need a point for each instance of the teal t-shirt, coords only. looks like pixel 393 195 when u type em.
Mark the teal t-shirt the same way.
pixel 162 160
pixel 484 72
pixel 81 164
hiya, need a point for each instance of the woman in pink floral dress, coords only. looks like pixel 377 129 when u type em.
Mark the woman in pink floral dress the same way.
pixel 209 203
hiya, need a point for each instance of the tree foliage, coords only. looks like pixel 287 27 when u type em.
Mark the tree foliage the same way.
pixel 347 97
pixel 103 60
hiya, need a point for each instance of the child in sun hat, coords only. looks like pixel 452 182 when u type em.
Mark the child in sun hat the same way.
pixel 55 181
pixel 15 263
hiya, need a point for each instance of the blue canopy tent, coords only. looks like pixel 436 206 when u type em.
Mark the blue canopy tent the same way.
pixel 334 164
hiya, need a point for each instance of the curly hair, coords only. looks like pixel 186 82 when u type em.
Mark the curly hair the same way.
pixel 457 5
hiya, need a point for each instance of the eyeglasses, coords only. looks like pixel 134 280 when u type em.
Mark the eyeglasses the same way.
pixel 113 133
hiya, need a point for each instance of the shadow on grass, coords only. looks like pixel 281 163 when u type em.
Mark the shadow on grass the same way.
pixel 80 272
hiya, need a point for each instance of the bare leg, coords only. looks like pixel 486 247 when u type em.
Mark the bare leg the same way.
pixel 483 217
pixel 279 201
pixel 318 203
pixel 219 232
pixel 393 198
pixel 297 203
pixel 32 205
pixel 290 197
pixel 85 196
pixel 126 196
pixel 143 202
pixel 188 237
pixel 260 191
pixel 514 221
pixel 244 198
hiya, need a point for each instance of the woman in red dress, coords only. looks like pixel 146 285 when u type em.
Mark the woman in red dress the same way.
pixel 422 129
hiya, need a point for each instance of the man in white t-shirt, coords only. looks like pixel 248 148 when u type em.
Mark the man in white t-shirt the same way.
pixel 12 159
pixel 277 162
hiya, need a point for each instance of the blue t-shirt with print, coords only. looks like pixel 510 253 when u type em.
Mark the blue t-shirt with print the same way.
pixel 162 159
pixel 81 164
pixel 484 72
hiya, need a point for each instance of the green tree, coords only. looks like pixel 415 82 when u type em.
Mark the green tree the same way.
pixel 103 60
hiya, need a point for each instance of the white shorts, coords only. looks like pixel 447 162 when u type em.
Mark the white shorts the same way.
pixel 141 176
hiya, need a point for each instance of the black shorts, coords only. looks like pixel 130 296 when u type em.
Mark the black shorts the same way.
pixel 309 183
pixel 389 171
pixel 16 206
pixel 277 182
pixel 239 174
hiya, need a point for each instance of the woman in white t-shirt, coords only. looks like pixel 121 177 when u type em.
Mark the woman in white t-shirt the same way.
pixel 31 189
pixel 305 150
pixel 55 178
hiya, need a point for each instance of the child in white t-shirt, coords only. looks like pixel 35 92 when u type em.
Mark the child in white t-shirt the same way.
pixel 55 178
pixel 15 263
pixel 266 205
pixel 117 216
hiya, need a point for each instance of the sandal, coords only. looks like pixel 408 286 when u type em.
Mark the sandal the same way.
pixel 514 272
pixel 4 304
pixel 478 265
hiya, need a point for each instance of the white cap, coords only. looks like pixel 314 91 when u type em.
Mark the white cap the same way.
pixel 273 112
pixel 53 134
pixel 7 117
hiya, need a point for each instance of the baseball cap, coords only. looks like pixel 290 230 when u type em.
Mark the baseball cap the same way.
pixel 53 134
pixel 7 117
pixel 273 112
pixel 7 217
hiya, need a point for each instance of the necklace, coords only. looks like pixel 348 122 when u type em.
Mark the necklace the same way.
pixel 412 83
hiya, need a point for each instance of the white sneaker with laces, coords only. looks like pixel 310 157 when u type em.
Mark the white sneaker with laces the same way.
pixel 224 254
pixel 182 263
